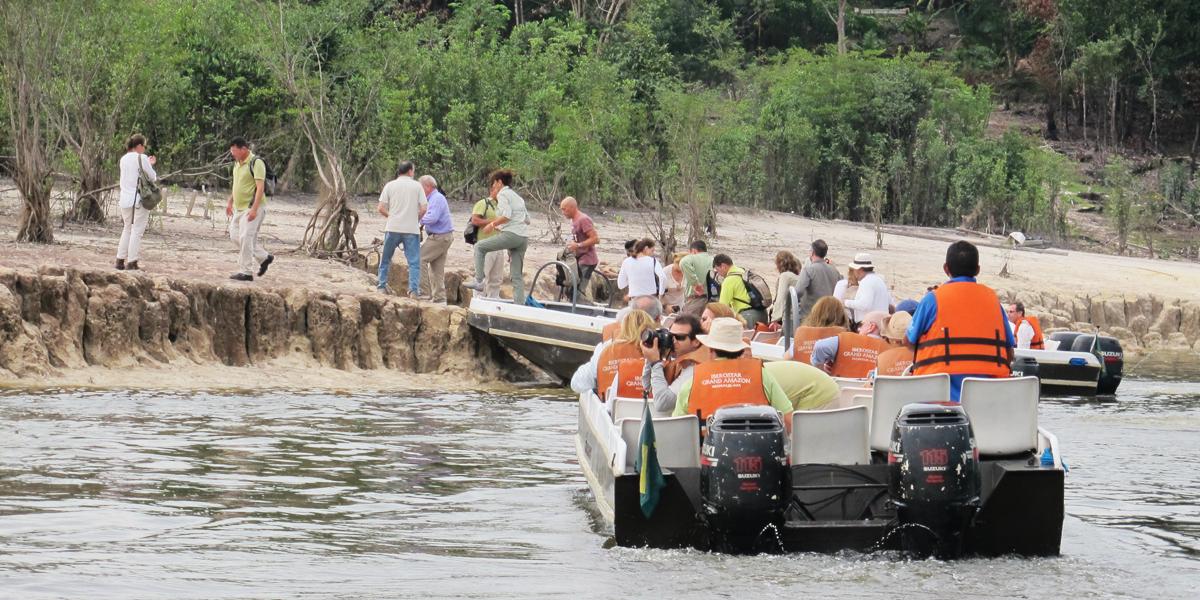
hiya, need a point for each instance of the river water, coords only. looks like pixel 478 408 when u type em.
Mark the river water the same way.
pixel 164 495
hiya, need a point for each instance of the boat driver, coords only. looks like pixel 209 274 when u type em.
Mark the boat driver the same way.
pixel 732 377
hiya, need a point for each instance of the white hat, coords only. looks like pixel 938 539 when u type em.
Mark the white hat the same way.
pixel 725 334
pixel 862 260
pixel 897 325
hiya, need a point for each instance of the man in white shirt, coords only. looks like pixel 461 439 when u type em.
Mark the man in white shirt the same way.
pixel 873 295
pixel 403 203
pixel 135 217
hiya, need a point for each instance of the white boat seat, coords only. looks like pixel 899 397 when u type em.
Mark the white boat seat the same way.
pixel 892 393
pixel 846 395
pixel 627 408
pixel 830 437
pixel 845 382
pixel 1003 413
pixel 677 440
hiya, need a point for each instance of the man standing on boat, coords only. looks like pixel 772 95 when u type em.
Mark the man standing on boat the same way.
pixel 665 372
pixel 817 279
pixel 584 239
pixel 733 377
pixel 695 267
pixel 1028 329
pixel 953 329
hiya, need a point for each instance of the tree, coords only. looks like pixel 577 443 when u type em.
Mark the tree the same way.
pixel 1119 204
pixel 335 72
pixel 839 20
pixel 29 32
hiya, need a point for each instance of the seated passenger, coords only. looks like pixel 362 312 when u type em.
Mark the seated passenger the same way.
pixel 896 361
pixel 807 387
pixel 953 329
pixel 716 310
pixel 598 373
pixel 664 374
pixel 732 377
pixel 827 317
pixel 852 355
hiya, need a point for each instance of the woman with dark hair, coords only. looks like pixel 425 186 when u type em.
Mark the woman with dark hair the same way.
pixel 512 221
pixel 640 274
pixel 788 267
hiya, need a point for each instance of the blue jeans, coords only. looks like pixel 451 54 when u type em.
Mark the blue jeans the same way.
pixel 412 255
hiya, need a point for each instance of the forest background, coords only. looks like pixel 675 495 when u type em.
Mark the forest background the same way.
pixel 871 111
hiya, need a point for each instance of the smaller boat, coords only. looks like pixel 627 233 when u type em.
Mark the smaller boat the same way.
pixel 1073 364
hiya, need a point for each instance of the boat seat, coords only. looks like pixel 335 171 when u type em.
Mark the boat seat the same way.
pixel 846 395
pixel 845 382
pixel 830 437
pixel 627 408
pixel 768 337
pixel 677 440
pixel 1003 413
pixel 892 393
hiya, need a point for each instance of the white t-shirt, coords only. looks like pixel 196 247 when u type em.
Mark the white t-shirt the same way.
pixel 872 296
pixel 512 205
pixel 1024 334
pixel 637 274
pixel 129 176
pixel 404 198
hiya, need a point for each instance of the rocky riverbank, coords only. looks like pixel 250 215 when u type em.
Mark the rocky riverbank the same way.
pixel 1142 322
pixel 54 321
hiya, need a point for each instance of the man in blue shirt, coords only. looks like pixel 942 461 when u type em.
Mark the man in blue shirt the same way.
pixel 439 235
pixel 967 324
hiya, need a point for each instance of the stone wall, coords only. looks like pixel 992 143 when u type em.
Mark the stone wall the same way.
pixel 55 319
pixel 1140 321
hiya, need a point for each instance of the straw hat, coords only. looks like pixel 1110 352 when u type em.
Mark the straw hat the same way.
pixel 862 260
pixel 896 327
pixel 724 334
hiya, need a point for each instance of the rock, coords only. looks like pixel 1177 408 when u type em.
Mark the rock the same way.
pixel 21 352
pixel 1167 321
pixel 267 326
pixel 349 322
pixel 323 330
pixel 1125 336
pixel 110 334
pixel 228 309
pixel 1152 340
pixel 1177 341
pixel 1139 325
pixel 1114 313
pixel 1189 321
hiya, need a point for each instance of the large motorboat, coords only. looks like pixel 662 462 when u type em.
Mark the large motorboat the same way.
pixel 896 472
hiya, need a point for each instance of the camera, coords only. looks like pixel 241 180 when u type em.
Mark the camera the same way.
pixel 666 343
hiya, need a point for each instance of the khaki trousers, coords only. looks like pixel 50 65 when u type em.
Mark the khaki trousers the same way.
pixel 433 265
pixel 694 306
pixel 244 234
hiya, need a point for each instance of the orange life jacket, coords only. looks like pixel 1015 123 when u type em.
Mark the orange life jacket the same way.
pixel 893 362
pixel 720 383
pixel 856 355
pixel 673 368
pixel 968 335
pixel 610 361
pixel 1038 342
pixel 629 378
pixel 610 331
pixel 805 337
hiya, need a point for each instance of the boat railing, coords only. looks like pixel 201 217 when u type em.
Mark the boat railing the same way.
pixel 572 281
pixel 791 316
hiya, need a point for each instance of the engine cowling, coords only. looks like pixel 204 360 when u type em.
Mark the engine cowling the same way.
pixel 745 482
pixel 933 478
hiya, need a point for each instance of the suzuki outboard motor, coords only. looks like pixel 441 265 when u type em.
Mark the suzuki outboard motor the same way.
pixel 933 478
pixel 745 482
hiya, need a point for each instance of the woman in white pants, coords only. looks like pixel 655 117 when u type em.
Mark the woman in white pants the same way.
pixel 135 217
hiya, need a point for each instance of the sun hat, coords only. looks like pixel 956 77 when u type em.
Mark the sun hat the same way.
pixel 725 334
pixel 896 326
pixel 862 260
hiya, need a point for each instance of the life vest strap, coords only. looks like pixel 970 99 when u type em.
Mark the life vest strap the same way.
pixel 943 341
pixel 988 358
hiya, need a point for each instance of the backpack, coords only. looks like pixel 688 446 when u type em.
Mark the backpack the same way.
pixel 471 232
pixel 271 180
pixel 758 290
pixel 712 288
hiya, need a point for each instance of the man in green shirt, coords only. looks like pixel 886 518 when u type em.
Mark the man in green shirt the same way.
pixel 246 211
pixel 483 213
pixel 807 387
pixel 734 293
pixel 695 267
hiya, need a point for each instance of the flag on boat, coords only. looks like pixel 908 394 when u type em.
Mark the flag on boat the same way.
pixel 650 476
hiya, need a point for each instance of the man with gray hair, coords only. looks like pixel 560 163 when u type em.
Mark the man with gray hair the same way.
pixel 439 234
pixel 651 305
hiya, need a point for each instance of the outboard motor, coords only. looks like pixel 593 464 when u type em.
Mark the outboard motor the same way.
pixel 1110 352
pixel 745 482
pixel 933 478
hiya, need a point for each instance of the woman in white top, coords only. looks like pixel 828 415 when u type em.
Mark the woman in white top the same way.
pixel 672 299
pixel 135 217
pixel 641 274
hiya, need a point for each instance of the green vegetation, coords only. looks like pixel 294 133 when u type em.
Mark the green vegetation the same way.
pixel 669 106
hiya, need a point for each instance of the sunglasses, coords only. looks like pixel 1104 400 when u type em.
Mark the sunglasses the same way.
pixel 679 337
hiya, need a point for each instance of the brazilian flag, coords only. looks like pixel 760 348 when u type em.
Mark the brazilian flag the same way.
pixel 650 475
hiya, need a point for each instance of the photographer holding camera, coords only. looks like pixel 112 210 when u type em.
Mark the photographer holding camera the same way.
pixel 670 356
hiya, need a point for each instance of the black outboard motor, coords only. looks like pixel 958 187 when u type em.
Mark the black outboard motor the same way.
pixel 1110 352
pixel 933 478
pixel 745 482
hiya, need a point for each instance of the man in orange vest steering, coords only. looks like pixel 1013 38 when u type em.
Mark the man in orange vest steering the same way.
pixel 1028 329
pixel 960 328
pixel 733 377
